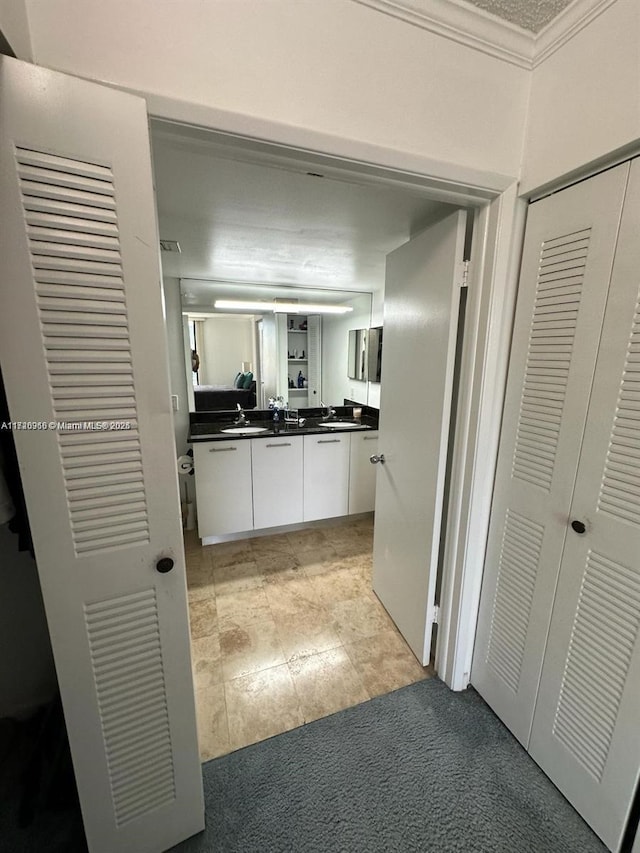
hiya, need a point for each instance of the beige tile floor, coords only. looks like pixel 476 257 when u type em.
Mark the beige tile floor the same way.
pixel 286 629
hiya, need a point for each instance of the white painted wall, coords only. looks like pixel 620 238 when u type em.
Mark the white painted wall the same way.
pixel 177 373
pixel 226 343
pixel 27 674
pixel 333 66
pixel 585 98
pixel 14 26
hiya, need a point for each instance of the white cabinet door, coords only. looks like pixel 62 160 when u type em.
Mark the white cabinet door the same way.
pixel 566 268
pixel 421 304
pixel 82 342
pixel 223 487
pixel 585 728
pixel 277 480
pixel 362 474
pixel 326 476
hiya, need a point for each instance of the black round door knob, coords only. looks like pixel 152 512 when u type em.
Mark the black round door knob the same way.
pixel 578 526
pixel 164 565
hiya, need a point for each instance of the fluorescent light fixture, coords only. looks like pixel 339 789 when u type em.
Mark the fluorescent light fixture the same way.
pixel 281 307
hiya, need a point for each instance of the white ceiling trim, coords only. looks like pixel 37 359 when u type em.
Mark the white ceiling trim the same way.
pixel 464 24
pixel 566 25
pixel 473 27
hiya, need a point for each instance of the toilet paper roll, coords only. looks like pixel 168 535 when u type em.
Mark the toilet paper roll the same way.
pixel 185 465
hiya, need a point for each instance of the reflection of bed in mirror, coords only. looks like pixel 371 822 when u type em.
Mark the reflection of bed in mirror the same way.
pixel 222 397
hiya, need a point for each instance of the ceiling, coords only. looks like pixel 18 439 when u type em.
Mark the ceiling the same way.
pixel 531 15
pixel 240 218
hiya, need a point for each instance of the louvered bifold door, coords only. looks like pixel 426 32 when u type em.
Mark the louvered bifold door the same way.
pixel 586 729
pixel 566 267
pixel 85 369
pixel 314 357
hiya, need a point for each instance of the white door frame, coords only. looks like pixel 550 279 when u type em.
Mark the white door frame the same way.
pixel 497 241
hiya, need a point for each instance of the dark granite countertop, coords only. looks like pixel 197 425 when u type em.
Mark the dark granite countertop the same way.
pixel 209 426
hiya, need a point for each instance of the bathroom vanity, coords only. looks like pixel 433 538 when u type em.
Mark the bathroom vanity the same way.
pixel 258 477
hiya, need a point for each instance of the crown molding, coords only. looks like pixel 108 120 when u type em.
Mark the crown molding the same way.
pixel 471 26
pixel 566 25
pixel 464 24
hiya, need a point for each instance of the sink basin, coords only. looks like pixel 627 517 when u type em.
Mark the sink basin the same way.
pixel 244 430
pixel 342 425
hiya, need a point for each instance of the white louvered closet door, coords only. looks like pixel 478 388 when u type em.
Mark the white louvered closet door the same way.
pixel 314 356
pixel 566 267
pixel 586 728
pixel 81 340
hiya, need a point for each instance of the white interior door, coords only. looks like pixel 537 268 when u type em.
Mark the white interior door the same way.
pixel 81 340
pixel 585 728
pixel 421 303
pixel 566 268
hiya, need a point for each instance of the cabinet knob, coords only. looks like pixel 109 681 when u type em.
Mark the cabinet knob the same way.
pixel 164 565
pixel 377 458
pixel 578 526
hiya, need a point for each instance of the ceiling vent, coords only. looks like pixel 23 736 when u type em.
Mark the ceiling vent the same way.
pixel 170 246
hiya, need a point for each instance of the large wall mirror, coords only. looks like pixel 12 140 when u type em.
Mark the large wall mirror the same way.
pixel 245 343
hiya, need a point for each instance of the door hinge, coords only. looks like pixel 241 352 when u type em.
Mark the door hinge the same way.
pixel 465 274
pixel 435 613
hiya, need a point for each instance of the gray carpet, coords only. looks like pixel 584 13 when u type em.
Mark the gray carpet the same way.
pixel 421 769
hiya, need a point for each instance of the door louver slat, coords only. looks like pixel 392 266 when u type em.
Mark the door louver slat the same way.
pixel 557 300
pixel 81 221
pixel 75 252
pixel 65 177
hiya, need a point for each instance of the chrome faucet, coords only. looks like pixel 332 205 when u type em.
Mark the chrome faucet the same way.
pixel 242 418
pixel 330 413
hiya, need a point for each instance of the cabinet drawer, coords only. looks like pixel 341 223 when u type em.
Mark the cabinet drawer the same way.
pixel 277 480
pixel 223 485
pixel 326 476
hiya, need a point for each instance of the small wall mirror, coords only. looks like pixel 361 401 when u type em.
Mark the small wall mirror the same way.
pixel 374 347
pixel 358 363
pixel 365 354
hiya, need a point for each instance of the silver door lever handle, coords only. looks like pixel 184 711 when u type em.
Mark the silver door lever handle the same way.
pixel 377 458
